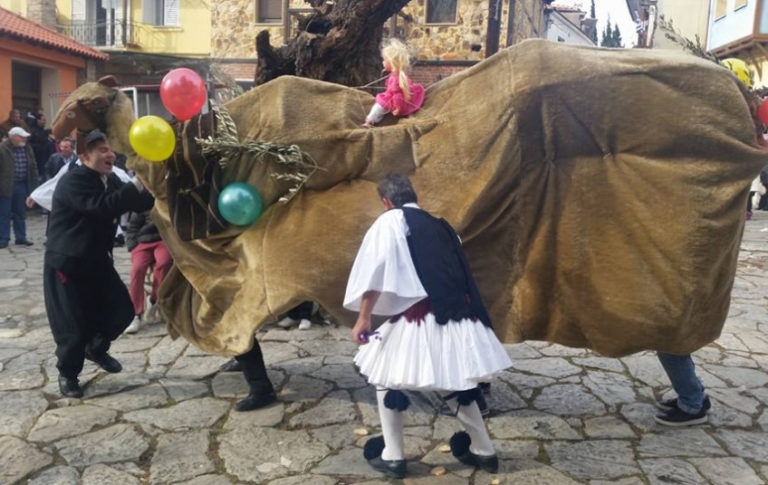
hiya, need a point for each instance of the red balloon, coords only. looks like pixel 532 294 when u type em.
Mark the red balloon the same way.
pixel 762 112
pixel 183 93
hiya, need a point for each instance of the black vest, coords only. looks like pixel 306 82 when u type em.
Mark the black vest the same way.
pixel 443 269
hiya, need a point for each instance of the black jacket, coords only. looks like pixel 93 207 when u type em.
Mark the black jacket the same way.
pixel 42 146
pixel 54 164
pixel 140 229
pixel 84 216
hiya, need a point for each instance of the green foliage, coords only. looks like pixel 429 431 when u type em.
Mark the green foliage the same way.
pixel 226 146
pixel 611 36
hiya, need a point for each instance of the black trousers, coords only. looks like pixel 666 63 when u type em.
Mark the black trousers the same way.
pixel 254 369
pixel 86 312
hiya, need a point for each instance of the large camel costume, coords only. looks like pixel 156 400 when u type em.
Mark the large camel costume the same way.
pixel 600 196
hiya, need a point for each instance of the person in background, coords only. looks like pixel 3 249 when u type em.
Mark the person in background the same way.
pixel 142 239
pixel 42 142
pixel 65 156
pixel 18 177
pixel 14 120
pixel 301 315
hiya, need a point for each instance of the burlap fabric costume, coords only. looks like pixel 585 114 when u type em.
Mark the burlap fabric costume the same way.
pixel 599 195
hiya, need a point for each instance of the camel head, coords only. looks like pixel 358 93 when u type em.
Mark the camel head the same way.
pixel 96 105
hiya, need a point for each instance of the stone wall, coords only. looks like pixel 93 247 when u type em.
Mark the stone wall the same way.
pixel 235 28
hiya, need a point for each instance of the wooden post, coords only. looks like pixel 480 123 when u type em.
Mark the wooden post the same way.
pixel 511 23
pixel 286 23
pixel 494 28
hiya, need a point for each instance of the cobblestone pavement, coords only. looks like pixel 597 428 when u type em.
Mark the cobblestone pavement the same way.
pixel 560 416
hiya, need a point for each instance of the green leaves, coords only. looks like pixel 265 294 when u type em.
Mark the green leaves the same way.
pixel 299 165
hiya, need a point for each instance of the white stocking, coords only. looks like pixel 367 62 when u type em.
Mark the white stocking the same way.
pixel 376 114
pixel 391 429
pixel 470 417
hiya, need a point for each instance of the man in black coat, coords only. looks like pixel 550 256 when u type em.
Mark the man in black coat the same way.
pixel 87 304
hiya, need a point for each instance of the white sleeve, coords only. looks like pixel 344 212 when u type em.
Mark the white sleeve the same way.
pixel 384 264
pixel 121 174
pixel 43 194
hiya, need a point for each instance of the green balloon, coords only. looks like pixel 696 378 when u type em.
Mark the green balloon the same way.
pixel 240 204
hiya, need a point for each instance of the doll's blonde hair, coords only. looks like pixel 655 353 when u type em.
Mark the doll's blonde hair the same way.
pixel 399 58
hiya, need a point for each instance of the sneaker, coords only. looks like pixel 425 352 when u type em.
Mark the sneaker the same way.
pixel 671 404
pixel 135 325
pixel 678 417
pixel 287 322
pixel 24 243
pixel 305 324
pixel 152 313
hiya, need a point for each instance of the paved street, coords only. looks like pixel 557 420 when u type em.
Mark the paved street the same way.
pixel 560 416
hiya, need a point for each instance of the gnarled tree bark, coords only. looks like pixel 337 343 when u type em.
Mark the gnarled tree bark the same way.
pixel 338 42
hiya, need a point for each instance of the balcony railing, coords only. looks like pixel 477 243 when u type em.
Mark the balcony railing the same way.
pixel 104 34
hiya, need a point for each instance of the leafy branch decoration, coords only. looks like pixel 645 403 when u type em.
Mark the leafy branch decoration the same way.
pixel 226 146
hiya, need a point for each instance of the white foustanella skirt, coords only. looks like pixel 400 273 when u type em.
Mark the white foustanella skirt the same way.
pixel 424 355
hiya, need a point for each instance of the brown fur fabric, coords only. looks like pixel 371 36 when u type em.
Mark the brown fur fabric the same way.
pixel 599 195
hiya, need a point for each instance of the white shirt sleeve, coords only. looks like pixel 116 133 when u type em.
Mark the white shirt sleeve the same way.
pixel 43 194
pixel 384 264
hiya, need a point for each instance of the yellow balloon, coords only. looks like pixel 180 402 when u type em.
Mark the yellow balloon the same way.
pixel 740 68
pixel 152 138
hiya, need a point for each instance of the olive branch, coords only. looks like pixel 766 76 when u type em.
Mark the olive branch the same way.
pixel 226 146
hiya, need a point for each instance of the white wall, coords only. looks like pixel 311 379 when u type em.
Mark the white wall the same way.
pixel 733 26
pixel 561 30
pixel 688 17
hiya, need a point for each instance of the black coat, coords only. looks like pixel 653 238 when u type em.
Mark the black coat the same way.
pixel 42 146
pixel 84 216
pixel 54 164
pixel 140 229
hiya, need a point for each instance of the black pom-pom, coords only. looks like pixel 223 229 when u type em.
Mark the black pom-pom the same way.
pixel 460 442
pixel 466 397
pixel 396 400
pixel 373 447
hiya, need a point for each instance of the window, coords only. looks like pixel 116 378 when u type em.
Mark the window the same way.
pixel 740 3
pixel 269 11
pixel 164 13
pixel 441 11
pixel 720 7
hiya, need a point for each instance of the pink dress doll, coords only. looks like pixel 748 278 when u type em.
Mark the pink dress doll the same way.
pixel 402 96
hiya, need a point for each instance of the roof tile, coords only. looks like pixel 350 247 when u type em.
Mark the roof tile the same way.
pixel 14 25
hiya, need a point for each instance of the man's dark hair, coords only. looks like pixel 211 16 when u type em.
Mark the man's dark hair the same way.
pixel 398 189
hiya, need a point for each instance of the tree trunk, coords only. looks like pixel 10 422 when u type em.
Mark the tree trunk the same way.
pixel 337 43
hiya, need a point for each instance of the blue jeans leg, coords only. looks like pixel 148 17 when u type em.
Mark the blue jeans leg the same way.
pixel 5 219
pixel 19 210
pixel 682 373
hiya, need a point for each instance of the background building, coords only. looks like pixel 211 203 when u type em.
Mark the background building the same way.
pixel 37 64
pixel 446 35
pixel 570 25
pixel 739 28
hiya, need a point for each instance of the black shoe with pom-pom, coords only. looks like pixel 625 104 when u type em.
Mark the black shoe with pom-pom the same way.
pixel 460 448
pixel 372 452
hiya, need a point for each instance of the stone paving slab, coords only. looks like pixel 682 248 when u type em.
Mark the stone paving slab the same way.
pixel 558 416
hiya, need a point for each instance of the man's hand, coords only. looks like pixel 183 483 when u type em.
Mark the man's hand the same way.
pixel 362 327
pixel 30 202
